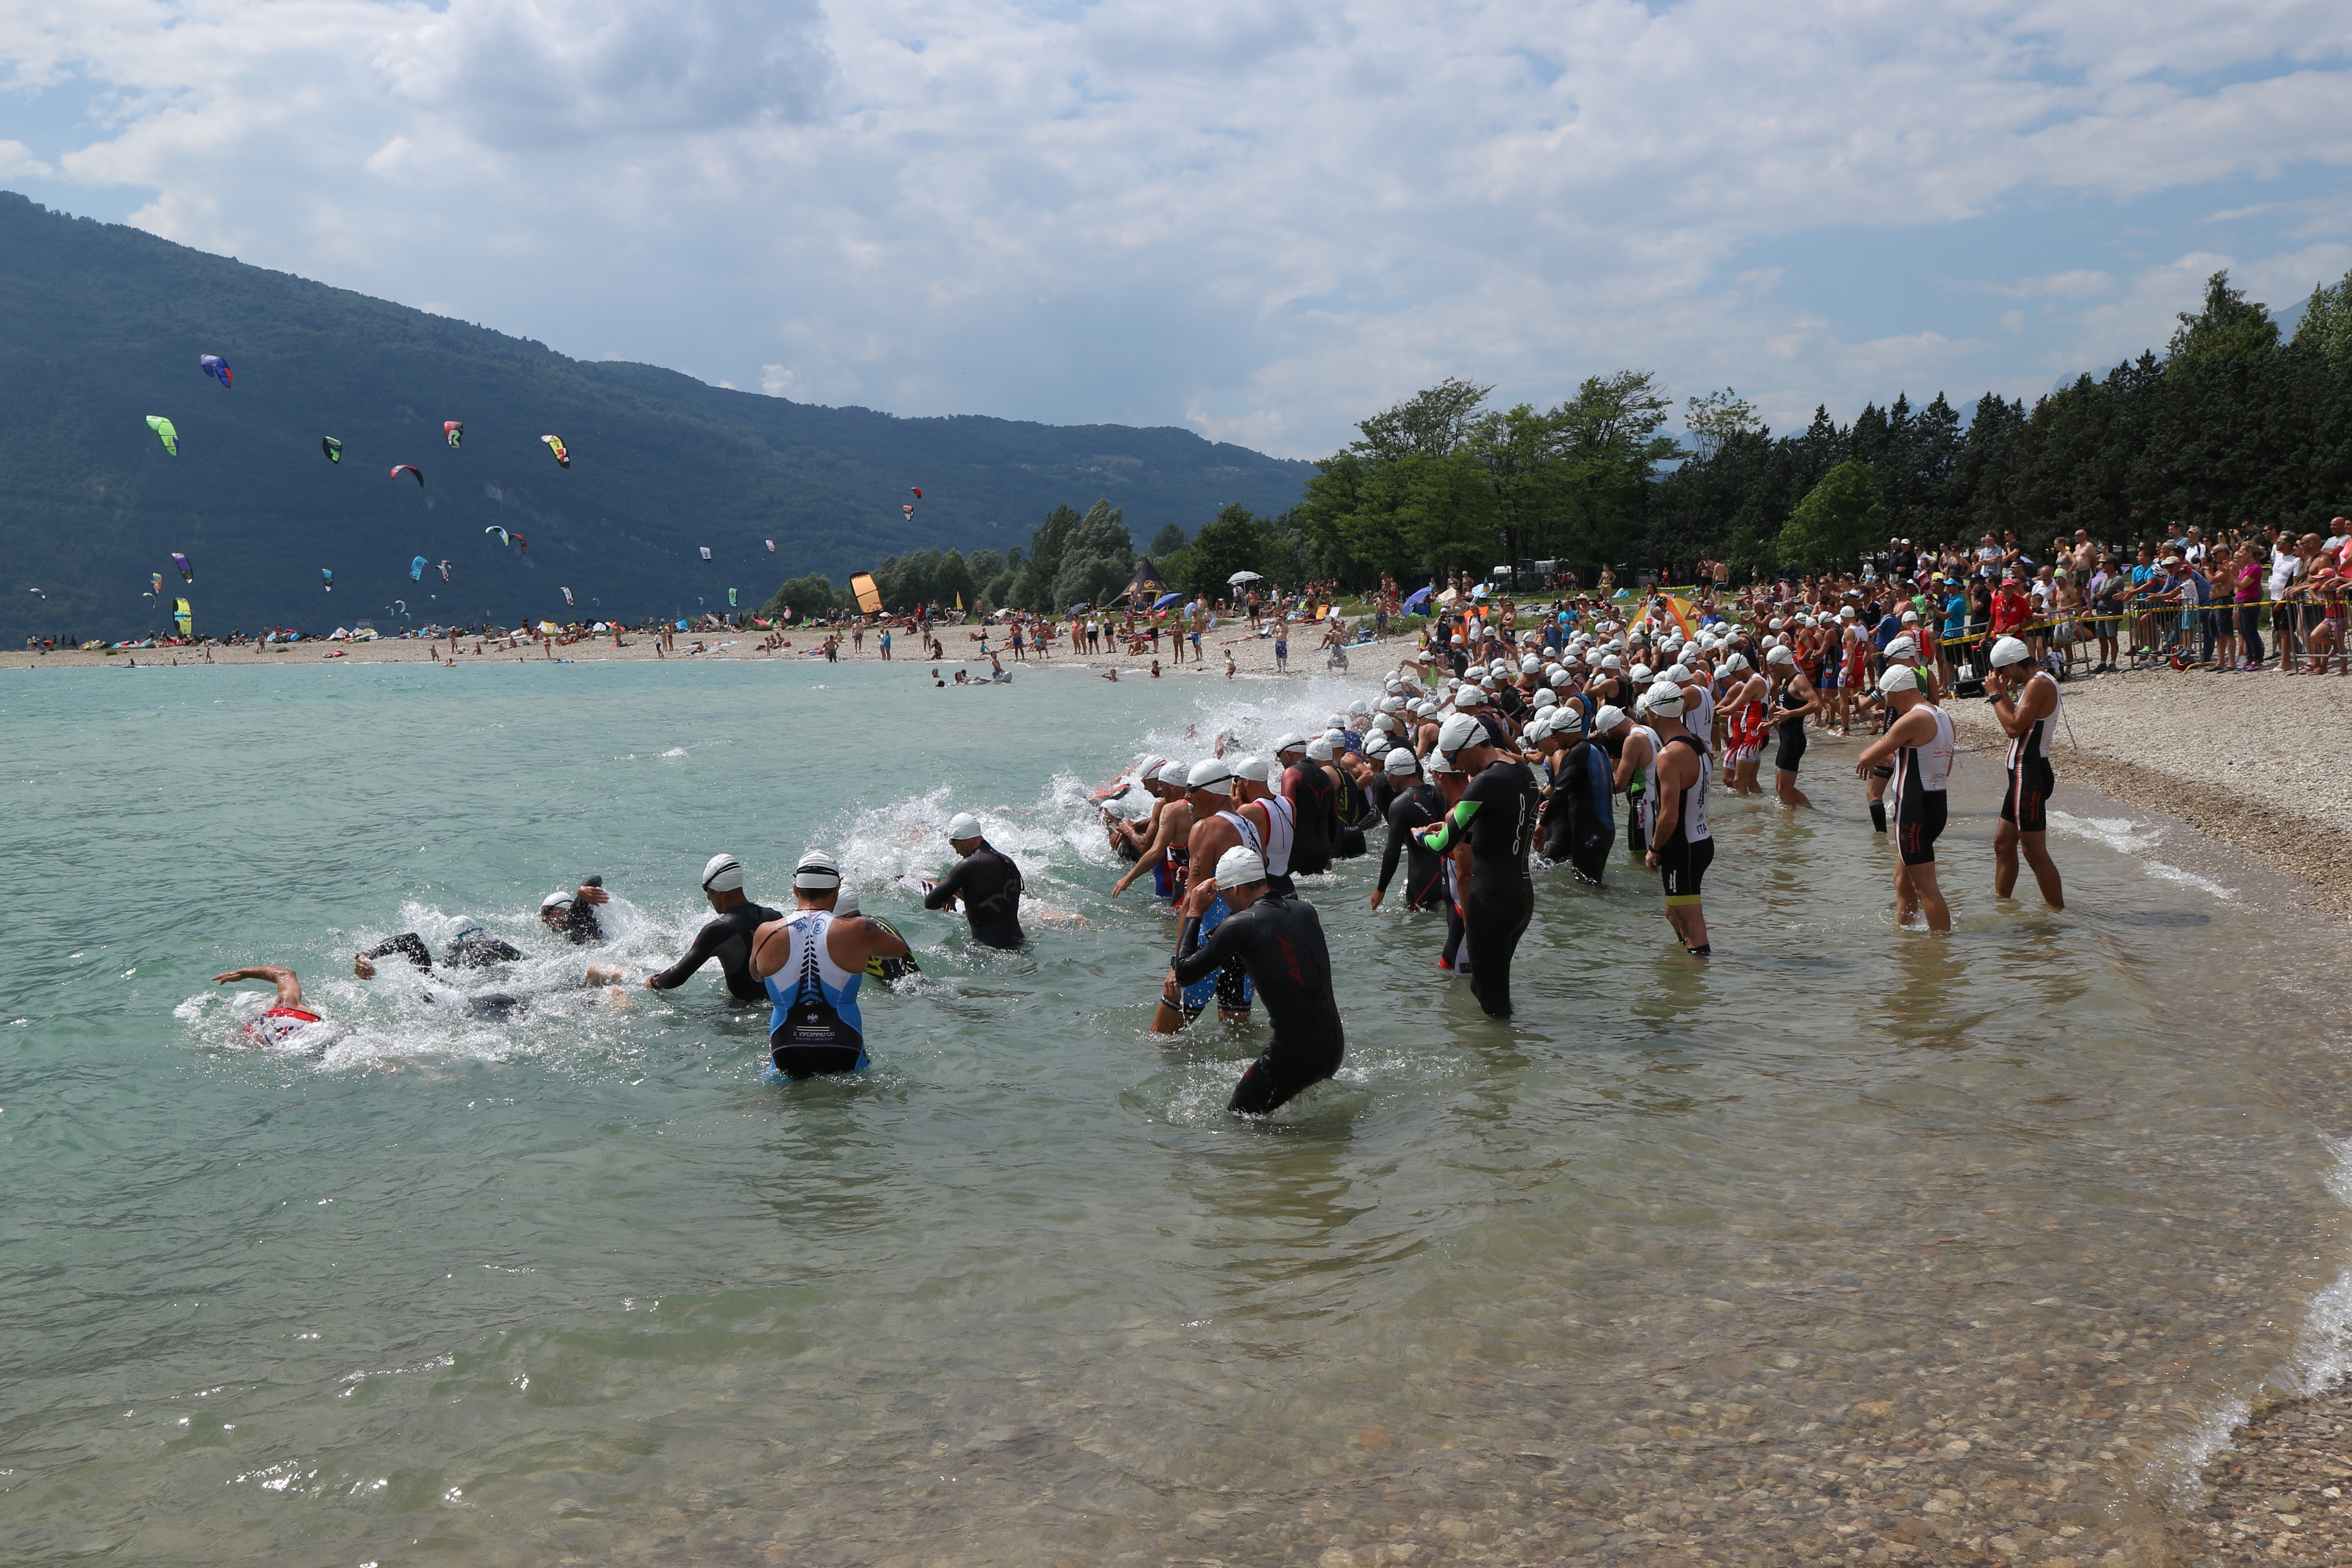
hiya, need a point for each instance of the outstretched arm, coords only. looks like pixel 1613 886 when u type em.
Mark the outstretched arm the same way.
pixel 289 989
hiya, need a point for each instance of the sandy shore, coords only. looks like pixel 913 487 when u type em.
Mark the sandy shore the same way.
pixel 1252 655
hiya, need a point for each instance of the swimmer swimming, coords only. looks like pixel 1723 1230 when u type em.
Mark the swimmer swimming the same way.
pixel 287 1017
pixel 573 915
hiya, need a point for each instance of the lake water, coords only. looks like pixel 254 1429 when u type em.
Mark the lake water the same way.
pixel 1846 1243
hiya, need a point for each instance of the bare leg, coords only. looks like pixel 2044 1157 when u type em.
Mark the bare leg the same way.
pixel 1689 921
pixel 1784 784
pixel 1917 890
pixel 2045 870
pixel 2004 859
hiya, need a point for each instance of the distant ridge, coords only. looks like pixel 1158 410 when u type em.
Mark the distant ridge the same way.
pixel 105 324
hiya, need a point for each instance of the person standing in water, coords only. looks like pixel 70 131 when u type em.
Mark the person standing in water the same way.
pixel 1497 815
pixel 727 938
pixel 1279 942
pixel 1681 844
pixel 987 881
pixel 1919 744
pixel 1419 806
pixel 2024 698
pixel 811 963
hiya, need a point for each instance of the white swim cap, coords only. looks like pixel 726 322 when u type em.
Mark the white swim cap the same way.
pixel 1543 699
pixel 1530 666
pixel 1172 774
pixel 1214 775
pixel 1846 613
pixel 1435 763
pixel 1318 749
pixel 1401 761
pixel 724 874
pixel 1640 674
pixel 1592 658
pixel 1251 767
pixel 1898 678
pixel 963 826
pixel 2008 651
pixel 559 900
pixel 1903 647
pixel 1775 625
pixel 1337 722
pixel 1460 731
pixel 818 872
pixel 1666 698
pixel 1781 656
pixel 1610 661
pixel 1469 697
pixel 1909 616
pixel 1608 719
pixel 1736 663
pixel 845 903
pixel 1678 673
pixel 1291 741
pixel 1239 866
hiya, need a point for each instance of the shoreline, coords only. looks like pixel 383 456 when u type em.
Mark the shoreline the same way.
pixel 2266 1488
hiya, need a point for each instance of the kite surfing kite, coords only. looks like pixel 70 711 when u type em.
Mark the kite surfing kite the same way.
pixel 164 433
pixel 187 572
pixel 504 537
pixel 772 547
pixel 516 539
pixel 706 551
pixel 332 448
pixel 184 616
pixel 731 599
pixel 455 429
pixel 918 490
pixel 326 579
pixel 38 595
pixel 216 367
pixel 909 510
pixel 157 579
pixel 567 597
pixel 408 468
pixel 445 571
pixel 563 458
pixel 417 569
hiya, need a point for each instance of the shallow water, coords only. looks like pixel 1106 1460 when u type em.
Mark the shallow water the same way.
pixel 1850 1241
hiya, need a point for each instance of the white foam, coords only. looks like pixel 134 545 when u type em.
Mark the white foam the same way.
pixel 2135 839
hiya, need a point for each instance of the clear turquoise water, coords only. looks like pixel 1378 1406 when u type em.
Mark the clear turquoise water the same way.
pixel 589 1287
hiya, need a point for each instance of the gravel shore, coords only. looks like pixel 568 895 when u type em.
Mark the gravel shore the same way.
pixel 2259 782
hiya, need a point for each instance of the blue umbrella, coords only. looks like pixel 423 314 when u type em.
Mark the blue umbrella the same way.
pixel 1418 595
pixel 1165 600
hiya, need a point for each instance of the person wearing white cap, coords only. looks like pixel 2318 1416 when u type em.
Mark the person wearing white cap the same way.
pixel 1415 804
pixel 572 914
pixel 1578 824
pixel 727 938
pixel 1269 815
pixel 812 961
pixel 1172 827
pixel 1793 702
pixel 1902 651
pixel 2024 698
pixel 1216 829
pixel 1497 815
pixel 987 881
pixel 1919 744
pixel 1312 788
pixel 1744 693
pixel 1680 844
pixel 1276 944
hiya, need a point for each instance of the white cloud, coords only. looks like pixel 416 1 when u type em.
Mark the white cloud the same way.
pixel 1261 219
pixel 16 162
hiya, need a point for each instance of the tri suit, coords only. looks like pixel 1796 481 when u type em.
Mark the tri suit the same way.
pixel 815 1025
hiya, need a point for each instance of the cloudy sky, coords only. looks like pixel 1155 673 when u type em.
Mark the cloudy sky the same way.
pixel 1261 218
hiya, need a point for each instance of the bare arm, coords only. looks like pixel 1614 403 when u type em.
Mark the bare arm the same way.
pixel 289 989
pixel 1911 730
pixel 1175 820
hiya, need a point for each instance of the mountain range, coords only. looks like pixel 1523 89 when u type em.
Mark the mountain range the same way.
pixel 107 324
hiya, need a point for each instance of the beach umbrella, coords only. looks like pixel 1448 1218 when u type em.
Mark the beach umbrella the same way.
pixel 1165 600
pixel 1238 578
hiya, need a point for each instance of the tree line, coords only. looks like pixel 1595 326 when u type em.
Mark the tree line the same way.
pixel 2232 422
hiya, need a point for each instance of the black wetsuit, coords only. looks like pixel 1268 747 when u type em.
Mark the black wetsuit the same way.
pixel 1425 876
pixel 1379 795
pixel 580 923
pixel 1314 802
pixel 1498 812
pixel 726 938
pixel 1280 942
pixel 474 948
pixel 477 949
pixel 989 886
pixel 1580 824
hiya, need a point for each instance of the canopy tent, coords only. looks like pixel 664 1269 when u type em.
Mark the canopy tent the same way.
pixel 1147 582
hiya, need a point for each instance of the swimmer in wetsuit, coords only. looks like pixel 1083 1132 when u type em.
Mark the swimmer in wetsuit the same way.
pixel 573 915
pixel 987 881
pixel 1313 798
pixel 1279 941
pixel 287 1017
pixel 812 961
pixel 471 948
pixel 727 938
pixel 1497 815
pixel 1419 804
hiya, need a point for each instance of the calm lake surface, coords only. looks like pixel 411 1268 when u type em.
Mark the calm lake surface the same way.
pixel 1849 1240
